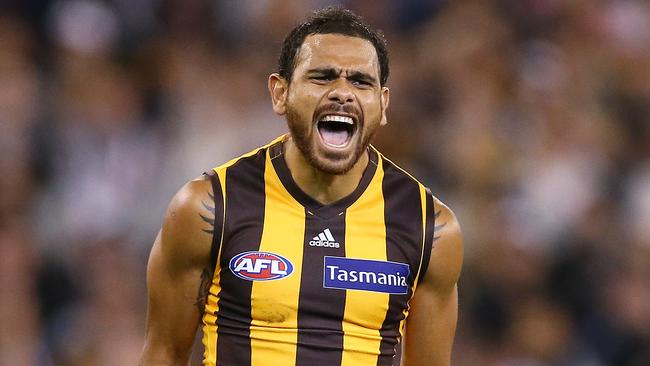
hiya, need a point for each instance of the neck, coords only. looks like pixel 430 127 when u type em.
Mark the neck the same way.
pixel 323 187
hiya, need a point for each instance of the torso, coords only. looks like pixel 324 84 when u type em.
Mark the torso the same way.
pixel 301 283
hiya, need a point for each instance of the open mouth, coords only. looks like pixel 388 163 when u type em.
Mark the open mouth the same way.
pixel 336 130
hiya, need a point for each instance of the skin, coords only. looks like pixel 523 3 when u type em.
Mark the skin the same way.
pixel 332 71
pixel 336 74
pixel 431 322
pixel 179 257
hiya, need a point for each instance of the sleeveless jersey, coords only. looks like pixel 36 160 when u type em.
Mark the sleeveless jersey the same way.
pixel 300 283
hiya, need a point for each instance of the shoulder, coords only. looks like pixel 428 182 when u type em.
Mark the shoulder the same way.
pixel 393 170
pixel 446 222
pixel 189 197
pixel 394 176
pixel 259 153
pixel 188 224
pixel 446 257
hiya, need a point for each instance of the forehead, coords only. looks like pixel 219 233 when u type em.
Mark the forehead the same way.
pixel 337 51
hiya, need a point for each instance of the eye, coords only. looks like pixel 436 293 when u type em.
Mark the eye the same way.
pixel 360 83
pixel 321 78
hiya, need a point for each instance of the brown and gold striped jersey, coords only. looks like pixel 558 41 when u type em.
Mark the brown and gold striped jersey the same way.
pixel 300 283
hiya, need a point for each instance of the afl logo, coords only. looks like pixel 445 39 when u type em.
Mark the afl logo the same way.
pixel 260 266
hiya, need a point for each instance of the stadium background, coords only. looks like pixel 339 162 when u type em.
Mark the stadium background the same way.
pixel 531 118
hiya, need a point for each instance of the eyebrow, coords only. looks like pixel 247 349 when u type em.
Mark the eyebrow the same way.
pixel 332 72
pixel 362 76
pixel 325 71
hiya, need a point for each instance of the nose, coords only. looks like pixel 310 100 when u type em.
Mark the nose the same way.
pixel 341 92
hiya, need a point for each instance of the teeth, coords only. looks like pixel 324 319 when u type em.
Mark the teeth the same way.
pixel 336 118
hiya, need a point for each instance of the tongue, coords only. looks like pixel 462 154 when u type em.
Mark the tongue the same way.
pixel 336 138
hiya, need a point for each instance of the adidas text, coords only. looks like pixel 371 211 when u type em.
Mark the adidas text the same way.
pixel 324 243
pixel 324 239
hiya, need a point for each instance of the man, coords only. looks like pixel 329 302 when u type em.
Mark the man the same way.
pixel 314 249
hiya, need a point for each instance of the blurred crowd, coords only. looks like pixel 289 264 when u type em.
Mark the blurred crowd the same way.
pixel 530 118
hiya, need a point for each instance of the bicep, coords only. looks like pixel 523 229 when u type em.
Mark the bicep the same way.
pixel 433 313
pixel 178 273
pixel 172 315
pixel 430 328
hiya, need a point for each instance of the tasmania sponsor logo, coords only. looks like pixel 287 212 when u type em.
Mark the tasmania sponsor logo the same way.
pixel 366 275
pixel 260 266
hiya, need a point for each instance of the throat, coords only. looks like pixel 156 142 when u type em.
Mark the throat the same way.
pixel 327 191
pixel 322 187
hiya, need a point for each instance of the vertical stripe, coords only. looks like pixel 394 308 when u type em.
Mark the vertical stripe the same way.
pixel 423 215
pixel 217 228
pixel 320 311
pixel 429 233
pixel 245 201
pixel 275 303
pixel 209 317
pixel 210 329
pixel 365 311
pixel 403 219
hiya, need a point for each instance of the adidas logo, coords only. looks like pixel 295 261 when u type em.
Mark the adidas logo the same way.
pixel 324 239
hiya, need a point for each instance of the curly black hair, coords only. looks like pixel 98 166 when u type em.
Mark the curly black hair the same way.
pixel 332 20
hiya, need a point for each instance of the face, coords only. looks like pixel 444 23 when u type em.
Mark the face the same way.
pixel 334 102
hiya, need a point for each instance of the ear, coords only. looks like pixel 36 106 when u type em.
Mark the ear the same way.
pixel 279 88
pixel 385 99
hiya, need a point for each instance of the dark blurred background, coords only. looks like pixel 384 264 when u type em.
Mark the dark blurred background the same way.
pixel 530 118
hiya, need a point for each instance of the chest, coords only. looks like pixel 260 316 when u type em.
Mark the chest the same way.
pixel 297 268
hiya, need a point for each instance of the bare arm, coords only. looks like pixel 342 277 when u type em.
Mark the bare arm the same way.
pixel 431 323
pixel 178 275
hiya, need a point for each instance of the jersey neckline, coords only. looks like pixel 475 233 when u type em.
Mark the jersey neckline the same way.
pixel 312 206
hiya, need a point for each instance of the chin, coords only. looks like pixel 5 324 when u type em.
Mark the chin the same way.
pixel 335 163
pixel 326 159
pixel 338 167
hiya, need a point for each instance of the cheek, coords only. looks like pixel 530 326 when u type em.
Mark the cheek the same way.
pixel 302 100
pixel 372 109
